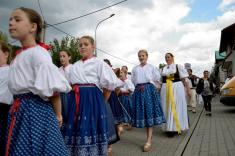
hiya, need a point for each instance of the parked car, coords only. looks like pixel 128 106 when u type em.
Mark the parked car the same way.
pixel 228 93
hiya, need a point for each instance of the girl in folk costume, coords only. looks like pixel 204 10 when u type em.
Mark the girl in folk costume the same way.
pixel 87 132
pixel 33 127
pixel 65 68
pixel 147 110
pixel 173 96
pixel 125 98
pixel 65 58
pixel 6 97
pixel 115 104
pixel 125 69
pixel 113 130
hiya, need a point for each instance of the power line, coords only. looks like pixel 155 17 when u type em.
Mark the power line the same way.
pixel 115 56
pixel 41 10
pixel 60 30
pixel 88 13
pixel 44 23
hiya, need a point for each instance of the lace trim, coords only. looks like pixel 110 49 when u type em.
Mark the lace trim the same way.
pixel 100 149
pixel 149 122
pixel 87 140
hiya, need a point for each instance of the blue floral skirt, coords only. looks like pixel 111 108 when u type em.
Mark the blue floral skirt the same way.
pixel 86 132
pixel 147 109
pixel 116 108
pixel 127 104
pixel 36 130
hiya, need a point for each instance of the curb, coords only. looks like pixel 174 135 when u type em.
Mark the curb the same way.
pixel 180 150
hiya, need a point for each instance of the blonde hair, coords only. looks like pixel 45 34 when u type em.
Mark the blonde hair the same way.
pixel 91 39
pixel 143 51
pixel 5 49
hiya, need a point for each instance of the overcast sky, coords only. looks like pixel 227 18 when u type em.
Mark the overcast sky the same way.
pixel 190 29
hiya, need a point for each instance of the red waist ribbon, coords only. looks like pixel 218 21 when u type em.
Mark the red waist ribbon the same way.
pixel 13 111
pixel 76 89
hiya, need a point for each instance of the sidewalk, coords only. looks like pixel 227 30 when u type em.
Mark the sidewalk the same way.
pixel 131 143
pixel 215 135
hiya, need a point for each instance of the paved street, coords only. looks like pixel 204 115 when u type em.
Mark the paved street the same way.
pixel 207 136
pixel 214 136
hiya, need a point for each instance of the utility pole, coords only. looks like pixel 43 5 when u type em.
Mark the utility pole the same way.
pixel 96 30
pixel 43 34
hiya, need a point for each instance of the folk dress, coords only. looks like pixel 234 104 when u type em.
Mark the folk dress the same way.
pixel 126 100
pixel 176 112
pixel 33 128
pixel 147 109
pixel 65 97
pixel 87 132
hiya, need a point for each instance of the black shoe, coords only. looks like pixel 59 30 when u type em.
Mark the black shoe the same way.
pixel 209 114
pixel 171 134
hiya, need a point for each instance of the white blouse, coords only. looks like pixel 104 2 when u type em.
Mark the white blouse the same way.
pixel 94 71
pixel 65 71
pixel 145 74
pixel 33 71
pixel 128 85
pixel 171 69
pixel 129 76
pixel 5 95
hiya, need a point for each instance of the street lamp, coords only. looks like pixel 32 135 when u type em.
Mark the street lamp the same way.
pixel 96 30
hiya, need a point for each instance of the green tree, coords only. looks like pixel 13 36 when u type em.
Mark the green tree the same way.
pixel 67 44
pixel 13 48
pixel 3 37
pixel 162 65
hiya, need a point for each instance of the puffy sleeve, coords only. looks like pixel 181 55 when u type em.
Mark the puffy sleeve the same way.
pixel 131 86
pixel 108 78
pixel 133 76
pixel 156 75
pixel 182 72
pixel 128 86
pixel 48 78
